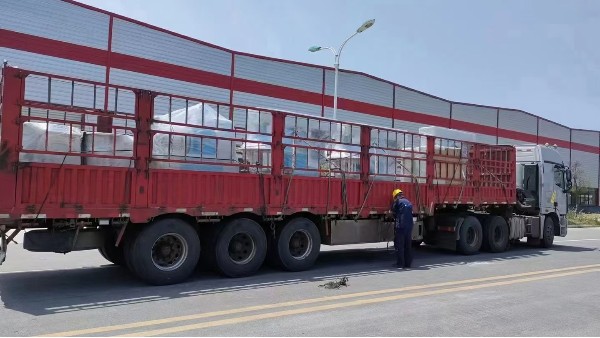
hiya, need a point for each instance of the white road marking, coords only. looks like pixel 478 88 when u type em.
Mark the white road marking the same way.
pixel 578 240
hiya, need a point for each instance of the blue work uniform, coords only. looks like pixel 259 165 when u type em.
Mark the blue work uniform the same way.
pixel 402 209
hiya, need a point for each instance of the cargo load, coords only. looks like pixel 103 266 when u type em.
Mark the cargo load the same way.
pixel 108 144
pixel 193 141
pixel 60 138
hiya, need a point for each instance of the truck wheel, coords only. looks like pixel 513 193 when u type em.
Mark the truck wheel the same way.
pixel 241 248
pixel 548 239
pixel 165 252
pixel 495 234
pixel 471 236
pixel 112 253
pixel 297 245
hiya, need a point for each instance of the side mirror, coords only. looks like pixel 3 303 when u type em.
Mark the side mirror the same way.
pixel 569 179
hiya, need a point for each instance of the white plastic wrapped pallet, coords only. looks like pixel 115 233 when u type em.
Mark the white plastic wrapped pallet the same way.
pixel 257 148
pixel 61 138
pixel 108 144
pixel 197 147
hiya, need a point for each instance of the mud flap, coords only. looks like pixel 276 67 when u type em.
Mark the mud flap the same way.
pixel 3 244
pixel 564 226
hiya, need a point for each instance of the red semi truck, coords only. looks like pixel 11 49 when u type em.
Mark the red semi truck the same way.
pixel 161 182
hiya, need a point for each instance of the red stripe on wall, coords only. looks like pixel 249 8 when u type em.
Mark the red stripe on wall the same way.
pixel 169 71
pixel 279 92
pixel 61 49
pixel 410 116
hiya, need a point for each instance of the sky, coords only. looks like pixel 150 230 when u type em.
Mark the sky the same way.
pixel 541 56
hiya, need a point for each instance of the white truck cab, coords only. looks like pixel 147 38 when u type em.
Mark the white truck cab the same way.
pixel 543 182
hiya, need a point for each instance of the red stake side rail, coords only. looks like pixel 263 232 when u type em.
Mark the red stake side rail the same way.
pixel 175 154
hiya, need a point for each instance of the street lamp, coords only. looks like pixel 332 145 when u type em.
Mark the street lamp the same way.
pixel 337 54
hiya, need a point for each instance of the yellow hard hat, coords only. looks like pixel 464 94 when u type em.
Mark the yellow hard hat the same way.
pixel 396 192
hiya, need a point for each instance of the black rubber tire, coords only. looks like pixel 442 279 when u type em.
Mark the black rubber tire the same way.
pixel 254 234
pixel 113 254
pixel 138 252
pixel 471 235
pixel 110 252
pixel 548 229
pixel 208 239
pixel 307 235
pixel 495 234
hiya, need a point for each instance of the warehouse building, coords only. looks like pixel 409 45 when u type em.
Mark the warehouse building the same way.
pixel 72 39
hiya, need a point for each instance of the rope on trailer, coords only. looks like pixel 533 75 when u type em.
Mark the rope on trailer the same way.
pixel 261 189
pixel 343 174
pixel 287 191
pixel 49 189
pixel 368 189
pixel 497 179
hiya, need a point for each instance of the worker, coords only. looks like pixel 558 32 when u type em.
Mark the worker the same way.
pixel 402 210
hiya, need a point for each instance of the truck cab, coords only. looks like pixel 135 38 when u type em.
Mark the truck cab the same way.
pixel 543 182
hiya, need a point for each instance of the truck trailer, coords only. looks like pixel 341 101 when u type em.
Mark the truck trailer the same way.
pixel 161 183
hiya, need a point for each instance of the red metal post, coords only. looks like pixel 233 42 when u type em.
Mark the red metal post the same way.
pixel 13 94
pixel 142 148
pixel 277 158
pixel 476 164
pixel 365 146
pixel 430 163
pixel 105 122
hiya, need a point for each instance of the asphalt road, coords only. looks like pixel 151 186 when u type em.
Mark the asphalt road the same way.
pixel 523 292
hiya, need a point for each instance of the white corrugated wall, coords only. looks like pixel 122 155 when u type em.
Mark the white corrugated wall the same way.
pixel 361 88
pixel 56 20
pixel 554 130
pixel 589 160
pixel 518 121
pixel 137 40
pixel 589 163
pixel 414 101
pixel 475 114
pixel 279 73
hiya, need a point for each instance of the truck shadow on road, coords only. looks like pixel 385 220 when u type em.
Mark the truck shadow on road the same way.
pixel 62 291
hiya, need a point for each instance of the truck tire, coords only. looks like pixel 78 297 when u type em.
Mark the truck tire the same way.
pixel 495 234
pixel 471 236
pixel 548 239
pixel 240 248
pixel 164 252
pixel 297 245
pixel 110 252
pixel 113 254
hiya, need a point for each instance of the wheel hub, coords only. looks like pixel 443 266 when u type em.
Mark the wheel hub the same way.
pixel 300 245
pixel 169 252
pixel 242 248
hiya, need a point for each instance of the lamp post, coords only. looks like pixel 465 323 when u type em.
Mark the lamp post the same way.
pixel 337 54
